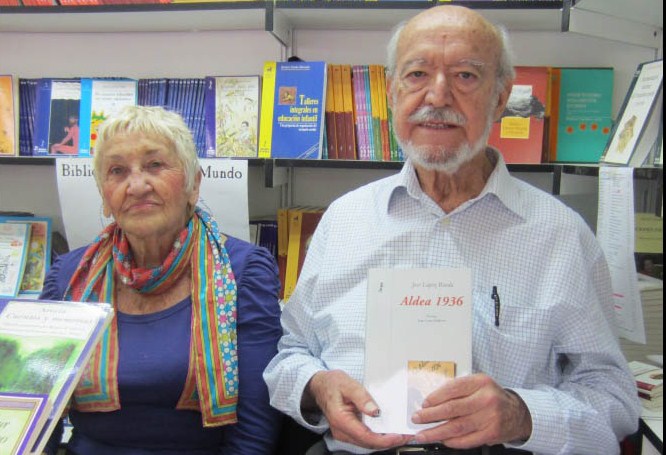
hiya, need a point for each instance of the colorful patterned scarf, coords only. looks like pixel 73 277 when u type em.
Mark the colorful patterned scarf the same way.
pixel 212 378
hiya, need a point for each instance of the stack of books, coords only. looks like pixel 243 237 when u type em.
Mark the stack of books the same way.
pixel 652 297
pixel 650 384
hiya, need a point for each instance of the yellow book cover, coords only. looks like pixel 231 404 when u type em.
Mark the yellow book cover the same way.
pixel 373 71
pixel 7 116
pixel 266 115
pixel 338 107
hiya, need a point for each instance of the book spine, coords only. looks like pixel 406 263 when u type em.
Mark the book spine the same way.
pixel 85 116
pixel 267 106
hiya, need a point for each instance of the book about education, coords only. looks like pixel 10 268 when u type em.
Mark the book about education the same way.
pixel 45 347
pixel 418 336
pixel 292 125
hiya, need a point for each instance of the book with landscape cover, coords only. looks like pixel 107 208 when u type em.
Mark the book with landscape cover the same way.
pixel 38 255
pixel 7 116
pixel 580 113
pixel 45 347
pixel 56 128
pixel 14 238
pixel 295 119
pixel 519 133
pixel 638 127
pixel 232 116
pixel 418 334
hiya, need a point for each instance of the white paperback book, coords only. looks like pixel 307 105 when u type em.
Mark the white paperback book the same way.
pixel 418 335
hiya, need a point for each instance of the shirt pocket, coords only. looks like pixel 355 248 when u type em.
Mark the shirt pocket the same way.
pixel 518 350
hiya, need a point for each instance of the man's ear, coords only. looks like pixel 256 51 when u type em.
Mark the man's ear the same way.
pixel 502 99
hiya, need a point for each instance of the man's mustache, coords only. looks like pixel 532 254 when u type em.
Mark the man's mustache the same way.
pixel 426 114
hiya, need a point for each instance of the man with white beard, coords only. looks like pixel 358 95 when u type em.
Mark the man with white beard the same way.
pixel 551 378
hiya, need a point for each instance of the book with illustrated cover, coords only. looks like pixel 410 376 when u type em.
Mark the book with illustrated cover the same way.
pixel 38 258
pixel 294 121
pixel 637 130
pixel 418 335
pixel 7 116
pixel 580 113
pixel 100 99
pixel 57 117
pixel 45 347
pixel 14 238
pixel 519 133
pixel 232 116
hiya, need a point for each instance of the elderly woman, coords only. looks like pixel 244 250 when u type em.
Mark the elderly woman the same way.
pixel 197 317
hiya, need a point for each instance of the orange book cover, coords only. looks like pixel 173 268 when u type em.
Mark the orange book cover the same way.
pixel 302 224
pixel 348 113
pixel 519 133
pixel 7 116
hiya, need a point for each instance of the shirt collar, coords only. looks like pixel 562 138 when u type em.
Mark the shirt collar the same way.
pixel 500 184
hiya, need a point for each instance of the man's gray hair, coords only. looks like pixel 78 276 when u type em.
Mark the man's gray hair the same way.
pixel 505 71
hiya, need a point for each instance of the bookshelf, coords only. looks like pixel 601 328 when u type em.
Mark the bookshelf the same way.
pixel 235 38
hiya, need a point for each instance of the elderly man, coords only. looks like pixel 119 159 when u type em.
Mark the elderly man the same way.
pixel 551 378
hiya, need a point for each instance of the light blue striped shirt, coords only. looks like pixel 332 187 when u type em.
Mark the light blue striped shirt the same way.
pixel 556 345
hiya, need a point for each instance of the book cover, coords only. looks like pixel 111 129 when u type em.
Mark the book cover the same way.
pixel 418 334
pixel 580 121
pixel 330 152
pixel 21 416
pixel 302 225
pixel 14 239
pixel 267 109
pixel 375 116
pixel 298 110
pixel 7 116
pixel 232 116
pixel 519 133
pixel 282 245
pixel 38 258
pixel 100 99
pixel 338 113
pixel 638 126
pixel 45 347
pixel 360 113
pixel 57 117
pixel 348 112
pixel 27 104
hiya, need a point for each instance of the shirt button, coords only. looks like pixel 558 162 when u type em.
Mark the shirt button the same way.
pixel 446 222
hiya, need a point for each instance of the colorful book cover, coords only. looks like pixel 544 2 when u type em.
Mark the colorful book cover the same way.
pixel 580 122
pixel 519 133
pixel 338 113
pixel 14 238
pixel 418 334
pixel 348 112
pixel 329 118
pixel 27 101
pixel 38 257
pixel 7 116
pixel 232 116
pixel 21 417
pixel 360 113
pixel 57 117
pixel 298 110
pixel 45 347
pixel 101 98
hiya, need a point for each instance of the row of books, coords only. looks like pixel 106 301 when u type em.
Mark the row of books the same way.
pixel 315 110
pixel 649 383
pixel 25 254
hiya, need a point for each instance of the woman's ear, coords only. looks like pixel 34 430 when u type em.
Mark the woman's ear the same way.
pixel 194 196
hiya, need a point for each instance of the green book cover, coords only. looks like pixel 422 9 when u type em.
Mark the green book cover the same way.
pixel 583 121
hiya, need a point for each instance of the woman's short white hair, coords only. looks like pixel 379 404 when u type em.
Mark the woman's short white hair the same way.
pixel 151 121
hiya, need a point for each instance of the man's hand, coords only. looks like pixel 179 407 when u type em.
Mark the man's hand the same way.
pixel 342 399
pixel 476 411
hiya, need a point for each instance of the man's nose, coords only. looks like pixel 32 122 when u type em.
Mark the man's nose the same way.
pixel 439 91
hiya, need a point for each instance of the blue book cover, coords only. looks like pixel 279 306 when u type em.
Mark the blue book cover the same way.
pixel 101 98
pixel 298 111
pixel 57 117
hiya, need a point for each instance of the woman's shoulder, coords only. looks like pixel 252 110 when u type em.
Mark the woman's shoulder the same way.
pixel 60 272
pixel 248 257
